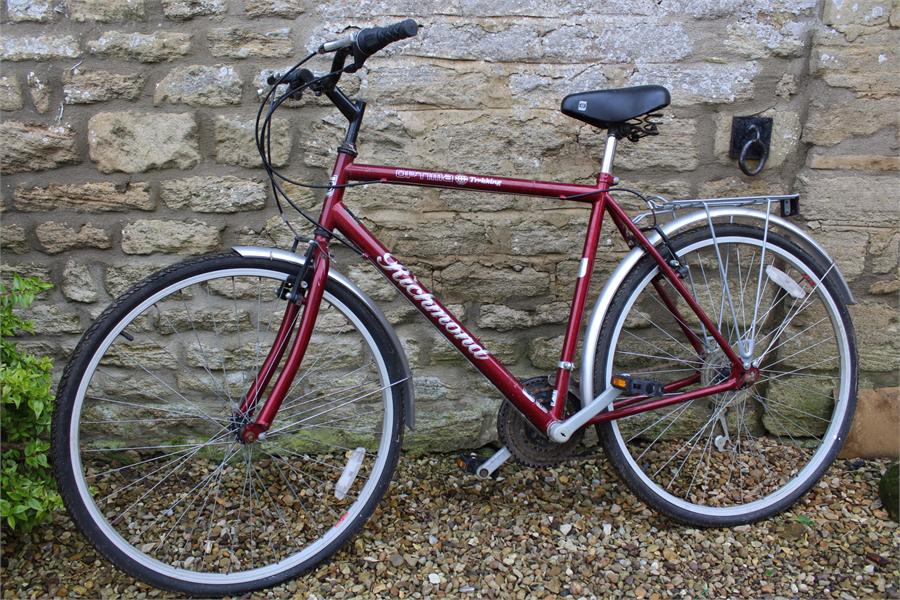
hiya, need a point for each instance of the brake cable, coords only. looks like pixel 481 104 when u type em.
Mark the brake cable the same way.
pixel 263 137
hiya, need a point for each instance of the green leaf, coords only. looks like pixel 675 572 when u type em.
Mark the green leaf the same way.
pixel 804 520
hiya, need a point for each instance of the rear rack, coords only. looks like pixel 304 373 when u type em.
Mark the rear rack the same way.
pixel 789 204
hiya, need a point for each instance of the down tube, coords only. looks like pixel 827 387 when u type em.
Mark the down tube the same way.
pixel 470 346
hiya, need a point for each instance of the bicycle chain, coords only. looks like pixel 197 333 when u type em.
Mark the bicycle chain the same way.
pixel 527 445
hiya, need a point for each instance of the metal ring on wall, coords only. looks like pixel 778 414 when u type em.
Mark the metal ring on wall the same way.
pixel 763 151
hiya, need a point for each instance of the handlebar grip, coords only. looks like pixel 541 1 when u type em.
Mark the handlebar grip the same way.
pixel 371 40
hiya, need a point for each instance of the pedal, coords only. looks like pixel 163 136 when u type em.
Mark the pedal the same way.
pixel 469 462
pixel 638 387
pixel 484 468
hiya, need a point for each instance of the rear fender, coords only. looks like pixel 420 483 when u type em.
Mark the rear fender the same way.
pixel 592 335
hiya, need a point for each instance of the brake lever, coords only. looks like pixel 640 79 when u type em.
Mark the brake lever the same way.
pixel 295 81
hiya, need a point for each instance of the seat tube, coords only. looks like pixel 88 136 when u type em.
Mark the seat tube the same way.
pixel 609 154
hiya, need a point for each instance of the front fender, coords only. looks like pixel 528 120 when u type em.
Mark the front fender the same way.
pixel 405 386
pixel 604 300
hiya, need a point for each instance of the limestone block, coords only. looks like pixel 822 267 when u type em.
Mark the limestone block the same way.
pixel 544 352
pixel 235 143
pixel 36 147
pixel 100 196
pixel 759 39
pixel 10 93
pixel 798 412
pixel 87 87
pixel 431 237
pixel 885 288
pixel 235 42
pixel 147 236
pixel 829 123
pixel 188 9
pixel 786 131
pixel 876 425
pixel 715 9
pixel 465 85
pixel 40 92
pixel 42 47
pixel 582 41
pixel 877 336
pixel 77 283
pixel 699 83
pixel 506 349
pixel 11 96
pixel 105 11
pixel 766 183
pixel 50 319
pixel 844 247
pixel 140 353
pixel 462 281
pixel 41 271
pixel 545 85
pixel 503 318
pixel 288 9
pixel 118 278
pixel 148 48
pixel 884 250
pixel 56 237
pixel 449 426
pixel 13 238
pixel 273 233
pixel 559 232
pixel 200 85
pixel 214 194
pixel 854 162
pixel 31 10
pixel 826 198
pixel 179 319
pixel 858 17
pixel 372 283
pixel 869 69
pixel 133 142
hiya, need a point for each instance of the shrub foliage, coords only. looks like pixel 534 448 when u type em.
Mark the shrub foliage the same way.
pixel 27 490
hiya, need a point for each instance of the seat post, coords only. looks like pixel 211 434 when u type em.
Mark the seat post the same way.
pixel 609 153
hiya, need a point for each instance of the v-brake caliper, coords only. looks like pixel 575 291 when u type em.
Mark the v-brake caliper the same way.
pixel 293 289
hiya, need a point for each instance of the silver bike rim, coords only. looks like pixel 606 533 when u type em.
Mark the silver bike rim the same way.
pixel 829 438
pixel 262 572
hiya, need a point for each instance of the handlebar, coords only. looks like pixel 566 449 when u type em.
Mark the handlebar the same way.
pixel 361 45
pixel 368 41
pixel 372 39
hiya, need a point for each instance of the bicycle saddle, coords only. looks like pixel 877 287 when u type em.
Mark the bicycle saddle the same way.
pixel 607 108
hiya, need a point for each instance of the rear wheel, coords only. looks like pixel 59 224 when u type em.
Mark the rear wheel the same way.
pixel 746 454
pixel 145 441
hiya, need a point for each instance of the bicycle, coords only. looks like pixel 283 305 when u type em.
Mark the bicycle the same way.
pixel 719 368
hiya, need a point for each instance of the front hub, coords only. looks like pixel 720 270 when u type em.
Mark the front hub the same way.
pixel 251 432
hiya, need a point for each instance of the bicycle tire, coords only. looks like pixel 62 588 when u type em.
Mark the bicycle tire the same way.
pixel 644 469
pixel 81 487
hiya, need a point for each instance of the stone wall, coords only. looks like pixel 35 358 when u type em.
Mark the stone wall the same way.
pixel 127 126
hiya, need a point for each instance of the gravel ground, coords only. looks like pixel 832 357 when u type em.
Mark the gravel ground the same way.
pixel 571 531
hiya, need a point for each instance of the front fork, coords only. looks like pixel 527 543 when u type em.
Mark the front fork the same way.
pixel 305 298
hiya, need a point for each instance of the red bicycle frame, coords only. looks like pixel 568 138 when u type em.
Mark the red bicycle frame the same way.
pixel 336 217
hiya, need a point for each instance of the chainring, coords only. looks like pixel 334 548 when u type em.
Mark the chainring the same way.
pixel 528 445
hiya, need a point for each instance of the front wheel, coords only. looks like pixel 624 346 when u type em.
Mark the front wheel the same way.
pixel 746 454
pixel 145 438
